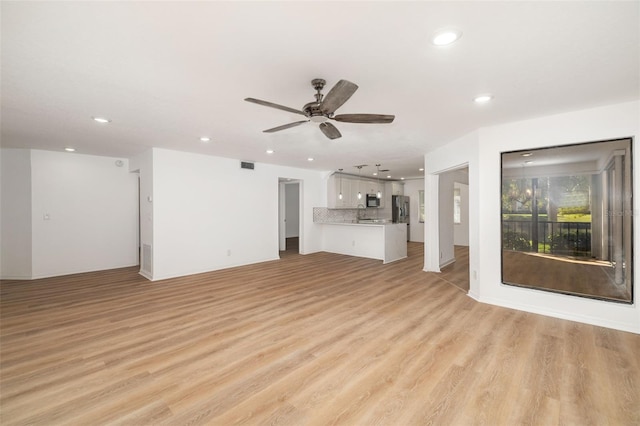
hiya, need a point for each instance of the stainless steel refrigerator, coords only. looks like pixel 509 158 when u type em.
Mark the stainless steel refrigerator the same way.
pixel 400 210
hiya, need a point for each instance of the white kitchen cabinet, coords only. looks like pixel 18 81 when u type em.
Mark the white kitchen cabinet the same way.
pixel 358 186
pixel 351 186
pixel 336 185
pixel 397 188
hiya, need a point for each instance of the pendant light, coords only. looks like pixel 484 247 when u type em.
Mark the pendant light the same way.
pixel 340 194
pixel 379 193
pixel 359 173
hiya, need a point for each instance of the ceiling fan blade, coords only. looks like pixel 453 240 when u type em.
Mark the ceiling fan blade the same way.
pixel 338 95
pixel 365 118
pixel 285 126
pixel 330 130
pixel 272 105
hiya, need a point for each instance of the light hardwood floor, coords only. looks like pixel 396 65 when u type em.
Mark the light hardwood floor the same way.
pixel 457 273
pixel 316 339
pixel 570 275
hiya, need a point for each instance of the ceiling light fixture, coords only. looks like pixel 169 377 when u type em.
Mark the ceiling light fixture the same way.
pixel 69 149
pixel 482 99
pixel 205 139
pixel 401 178
pixel 421 169
pixel 446 37
pixel 388 176
pixel 527 154
pixel 270 151
pixel 101 120
pixel 310 159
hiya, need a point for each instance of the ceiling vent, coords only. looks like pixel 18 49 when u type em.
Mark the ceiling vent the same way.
pixel 247 165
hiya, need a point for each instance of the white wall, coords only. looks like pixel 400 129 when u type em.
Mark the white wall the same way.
pixel 92 213
pixel 481 150
pixel 461 230
pixel 446 227
pixel 292 209
pixel 210 214
pixel 445 215
pixel 15 190
pixel 416 229
pixel 143 166
pixel 66 213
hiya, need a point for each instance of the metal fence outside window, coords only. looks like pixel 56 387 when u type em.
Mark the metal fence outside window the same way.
pixel 561 238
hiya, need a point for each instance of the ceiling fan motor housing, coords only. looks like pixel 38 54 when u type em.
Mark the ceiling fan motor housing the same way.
pixel 313 111
pixel 318 83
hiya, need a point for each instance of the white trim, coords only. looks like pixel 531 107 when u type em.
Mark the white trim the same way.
pixel 587 319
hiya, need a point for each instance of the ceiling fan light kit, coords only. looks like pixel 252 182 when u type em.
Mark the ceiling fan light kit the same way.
pixel 323 108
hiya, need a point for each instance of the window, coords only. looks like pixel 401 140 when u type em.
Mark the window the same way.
pixel 567 219
pixel 456 205
pixel 421 206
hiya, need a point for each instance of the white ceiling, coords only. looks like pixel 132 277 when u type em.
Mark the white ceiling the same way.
pixel 167 73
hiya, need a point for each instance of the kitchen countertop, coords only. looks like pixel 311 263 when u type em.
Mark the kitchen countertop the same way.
pixel 360 223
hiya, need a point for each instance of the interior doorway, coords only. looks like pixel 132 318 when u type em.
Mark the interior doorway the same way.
pixel 290 194
pixel 453 226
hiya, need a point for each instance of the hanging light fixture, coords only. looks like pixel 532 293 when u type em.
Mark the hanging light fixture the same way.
pixel 340 194
pixel 379 193
pixel 359 174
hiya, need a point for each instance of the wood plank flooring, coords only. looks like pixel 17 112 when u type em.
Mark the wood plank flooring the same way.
pixel 576 276
pixel 457 273
pixel 307 340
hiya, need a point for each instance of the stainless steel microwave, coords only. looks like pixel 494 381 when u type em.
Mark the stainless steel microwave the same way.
pixel 373 200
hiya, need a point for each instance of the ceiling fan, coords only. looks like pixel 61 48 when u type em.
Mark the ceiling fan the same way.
pixel 323 108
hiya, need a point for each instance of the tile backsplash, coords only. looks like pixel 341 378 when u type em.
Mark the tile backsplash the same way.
pixel 323 214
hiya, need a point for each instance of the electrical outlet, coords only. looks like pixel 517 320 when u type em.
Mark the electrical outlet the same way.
pixel 353 243
pixel 229 252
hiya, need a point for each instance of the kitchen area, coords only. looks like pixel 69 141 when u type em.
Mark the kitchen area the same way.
pixel 365 217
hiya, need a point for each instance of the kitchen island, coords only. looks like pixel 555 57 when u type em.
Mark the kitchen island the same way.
pixel 376 240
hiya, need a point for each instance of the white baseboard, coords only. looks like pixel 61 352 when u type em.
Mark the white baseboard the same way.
pixel 586 319
pixel 447 262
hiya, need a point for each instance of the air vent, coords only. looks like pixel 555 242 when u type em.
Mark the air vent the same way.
pixel 247 165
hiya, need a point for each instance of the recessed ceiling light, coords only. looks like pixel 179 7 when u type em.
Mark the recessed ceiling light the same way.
pixel 310 159
pixel 421 169
pixel 482 99
pixel 446 37
pixel 388 176
pixel 375 173
pixel 69 149
pixel 401 178
pixel 528 162
pixel 205 139
pixel 527 154
pixel 270 151
pixel 101 120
